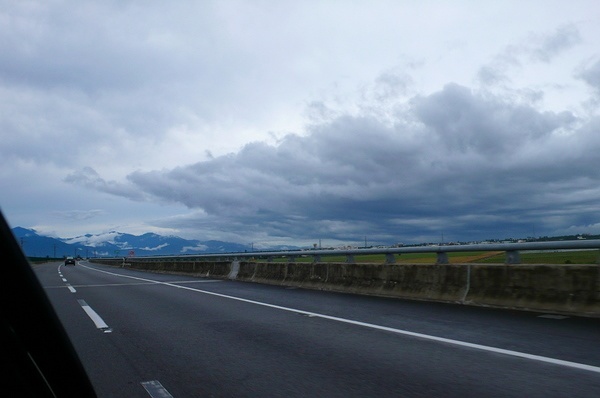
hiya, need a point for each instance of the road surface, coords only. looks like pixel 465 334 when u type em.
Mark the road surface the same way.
pixel 156 335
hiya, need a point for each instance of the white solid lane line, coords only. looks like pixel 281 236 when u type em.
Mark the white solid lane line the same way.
pixel 480 347
pixel 98 321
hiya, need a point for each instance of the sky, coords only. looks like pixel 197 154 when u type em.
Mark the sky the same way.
pixel 286 122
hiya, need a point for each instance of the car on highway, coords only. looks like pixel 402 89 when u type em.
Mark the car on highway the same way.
pixel 69 260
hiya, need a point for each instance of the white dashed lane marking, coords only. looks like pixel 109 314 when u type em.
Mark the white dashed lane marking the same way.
pixel 155 389
pixel 98 321
pixel 553 316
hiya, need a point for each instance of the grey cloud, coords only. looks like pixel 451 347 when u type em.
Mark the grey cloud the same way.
pixel 496 71
pixel 319 112
pixel 95 47
pixel 109 75
pixel 80 215
pixel 491 75
pixel 89 178
pixel 392 84
pixel 591 75
pixel 465 122
pixel 466 161
pixel 564 38
pixel 119 82
pixel 538 48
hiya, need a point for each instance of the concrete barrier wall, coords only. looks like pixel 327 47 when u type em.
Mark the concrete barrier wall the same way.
pixel 423 281
pixel 571 289
pixel 562 288
pixel 216 269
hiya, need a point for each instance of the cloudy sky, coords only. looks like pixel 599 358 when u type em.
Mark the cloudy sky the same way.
pixel 286 122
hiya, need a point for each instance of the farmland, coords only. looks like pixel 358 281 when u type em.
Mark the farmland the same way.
pixel 497 257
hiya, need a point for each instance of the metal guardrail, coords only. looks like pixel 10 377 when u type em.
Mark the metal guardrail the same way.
pixel 511 249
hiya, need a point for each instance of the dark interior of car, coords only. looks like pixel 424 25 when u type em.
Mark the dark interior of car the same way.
pixel 37 357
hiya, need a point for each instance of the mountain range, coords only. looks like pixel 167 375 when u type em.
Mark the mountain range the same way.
pixel 116 244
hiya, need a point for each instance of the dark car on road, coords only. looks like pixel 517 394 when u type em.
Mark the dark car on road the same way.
pixel 69 260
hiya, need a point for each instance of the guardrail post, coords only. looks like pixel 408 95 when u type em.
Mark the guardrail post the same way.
pixel 513 257
pixel 316 258
pixel 442 258
pixel 390 258
pixel 350 259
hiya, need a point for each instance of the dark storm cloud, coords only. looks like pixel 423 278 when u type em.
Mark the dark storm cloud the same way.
pixel 490 127
pixel 456 160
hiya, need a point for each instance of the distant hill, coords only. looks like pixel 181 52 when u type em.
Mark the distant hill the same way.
pixel 35 245
pixel 115 243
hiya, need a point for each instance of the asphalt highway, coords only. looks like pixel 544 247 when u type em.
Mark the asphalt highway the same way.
pixel 156 335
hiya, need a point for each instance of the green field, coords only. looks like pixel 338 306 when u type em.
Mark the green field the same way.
pixel 557 257
pixel 549 257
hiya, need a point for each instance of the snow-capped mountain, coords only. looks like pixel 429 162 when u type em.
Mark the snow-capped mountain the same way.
pixel 115 243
